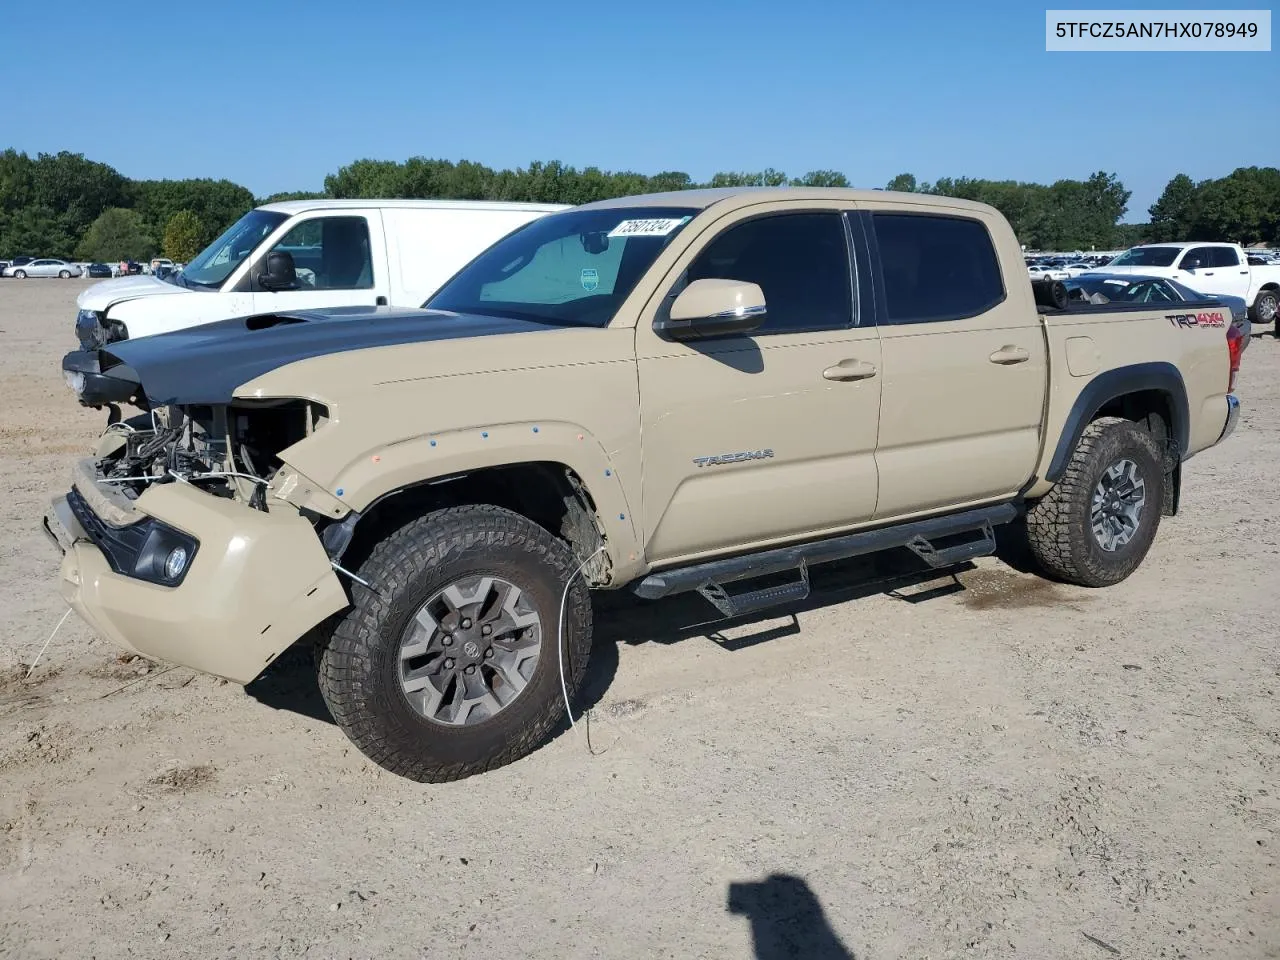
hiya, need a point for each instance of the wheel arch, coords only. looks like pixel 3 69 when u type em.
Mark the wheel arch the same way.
pixel 550 493
pixel 1153 393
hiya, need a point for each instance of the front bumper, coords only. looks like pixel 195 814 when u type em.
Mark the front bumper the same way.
pixel 258 583
pixel 1233 416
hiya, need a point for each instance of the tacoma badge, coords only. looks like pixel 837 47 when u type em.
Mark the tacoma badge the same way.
pixel 733 457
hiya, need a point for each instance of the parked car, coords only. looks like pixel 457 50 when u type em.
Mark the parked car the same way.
pixel 428 484
pixel 99 270
pixel 4 265
pixel 1045 272
pixel 303 254
pixel 43 268
pixel 1213 268
pixel 1101 287
pixel 1075 269
pixel 20 261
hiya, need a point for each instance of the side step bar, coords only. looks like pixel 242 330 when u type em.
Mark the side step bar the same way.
pixel 917 535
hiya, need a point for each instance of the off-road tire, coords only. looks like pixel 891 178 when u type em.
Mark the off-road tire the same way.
pixel 1058 527
pixel 358 660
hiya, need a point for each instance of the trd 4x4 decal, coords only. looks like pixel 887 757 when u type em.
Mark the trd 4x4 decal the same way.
pixel 1196 319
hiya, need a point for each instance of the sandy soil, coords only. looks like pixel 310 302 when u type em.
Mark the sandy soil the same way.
pixel 984 765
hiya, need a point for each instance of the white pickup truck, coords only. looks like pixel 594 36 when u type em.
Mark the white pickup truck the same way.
pixel 301 255
pixel 1212 268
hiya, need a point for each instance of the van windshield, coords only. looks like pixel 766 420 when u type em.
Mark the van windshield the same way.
pixel 212 265
pixel 572 268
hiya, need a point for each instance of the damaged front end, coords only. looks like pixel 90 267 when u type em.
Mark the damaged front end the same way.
pixel 188 539
pixel 227 450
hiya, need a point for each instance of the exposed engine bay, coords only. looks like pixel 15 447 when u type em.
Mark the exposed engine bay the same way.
pixel 228 450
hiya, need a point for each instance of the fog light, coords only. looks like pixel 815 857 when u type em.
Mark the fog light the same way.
pixel 75 381
pixel 175 563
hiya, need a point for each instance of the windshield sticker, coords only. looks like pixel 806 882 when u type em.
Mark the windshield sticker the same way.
pixel 590 279
pixel 647 228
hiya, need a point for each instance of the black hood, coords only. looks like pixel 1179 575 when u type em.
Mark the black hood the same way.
pixel 207 363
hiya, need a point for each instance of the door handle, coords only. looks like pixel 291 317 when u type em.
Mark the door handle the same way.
pixel 380 301
pixel 850 369
pixel 1009 354
pixel 1208 273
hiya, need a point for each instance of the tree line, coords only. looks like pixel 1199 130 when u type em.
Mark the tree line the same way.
pixel 65 205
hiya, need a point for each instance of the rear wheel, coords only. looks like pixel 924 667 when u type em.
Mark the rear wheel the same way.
pixel 452 668
pixel 20 274
pixel 1265 308
pixel 1096 525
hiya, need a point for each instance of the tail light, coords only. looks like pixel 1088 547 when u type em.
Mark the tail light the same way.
pixel 1235 347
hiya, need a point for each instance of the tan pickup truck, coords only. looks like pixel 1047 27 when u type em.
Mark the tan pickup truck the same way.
pixel 667 393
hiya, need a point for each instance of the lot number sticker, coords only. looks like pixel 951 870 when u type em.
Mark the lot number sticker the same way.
pixel 646 228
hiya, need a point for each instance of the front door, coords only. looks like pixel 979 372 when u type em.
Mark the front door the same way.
pixel 763 438
pixel 965 364
pixel 340 259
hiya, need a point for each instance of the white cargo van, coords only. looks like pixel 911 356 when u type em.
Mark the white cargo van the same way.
pixel 303 254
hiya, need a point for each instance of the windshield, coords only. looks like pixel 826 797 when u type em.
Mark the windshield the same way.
pixel 1147 257
pixel 572 268
pixel 212 265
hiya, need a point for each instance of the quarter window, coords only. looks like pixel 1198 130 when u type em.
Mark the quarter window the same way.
pixel 330 253
pixel 936 268
pixel 799 260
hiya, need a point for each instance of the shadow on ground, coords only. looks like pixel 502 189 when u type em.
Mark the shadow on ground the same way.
pixel 620 617
pixel 787 920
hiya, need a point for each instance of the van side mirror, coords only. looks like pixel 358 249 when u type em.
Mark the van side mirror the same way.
pixel 714 308
pixel 280 273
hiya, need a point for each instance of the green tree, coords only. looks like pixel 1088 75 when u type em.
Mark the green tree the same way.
pixel 821 178
pixel 217 203
pixel 903 183
pixel 35 231
pixel 1173 213
pixel 1243 206
pixel 183 236
pixel 117 234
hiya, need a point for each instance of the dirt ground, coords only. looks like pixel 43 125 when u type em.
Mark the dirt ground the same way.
pixel 911 766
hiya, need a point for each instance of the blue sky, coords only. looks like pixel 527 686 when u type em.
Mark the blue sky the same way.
pixel 276 95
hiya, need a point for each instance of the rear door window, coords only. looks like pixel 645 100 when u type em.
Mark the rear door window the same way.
pixel 1223 257
pixel 936 268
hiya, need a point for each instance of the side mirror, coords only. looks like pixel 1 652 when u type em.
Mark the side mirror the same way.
pixel 714 308
pixel 1191 266
pixel 280 273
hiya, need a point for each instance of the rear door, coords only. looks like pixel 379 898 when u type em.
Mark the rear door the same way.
pixel 1226 273
pixel 964 359
pixel 340 258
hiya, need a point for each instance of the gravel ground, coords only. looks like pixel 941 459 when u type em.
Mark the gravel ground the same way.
pixel 915 766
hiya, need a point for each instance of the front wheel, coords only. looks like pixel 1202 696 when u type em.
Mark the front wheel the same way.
pixel 64 274
pixel 1097 523
pixel 1265 308
pixel 452 667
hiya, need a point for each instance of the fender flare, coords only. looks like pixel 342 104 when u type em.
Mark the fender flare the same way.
pixel 1110 385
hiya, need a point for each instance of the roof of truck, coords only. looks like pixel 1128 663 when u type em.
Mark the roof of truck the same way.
pixel 305 206
pixel 1180 244
pixel 702 199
